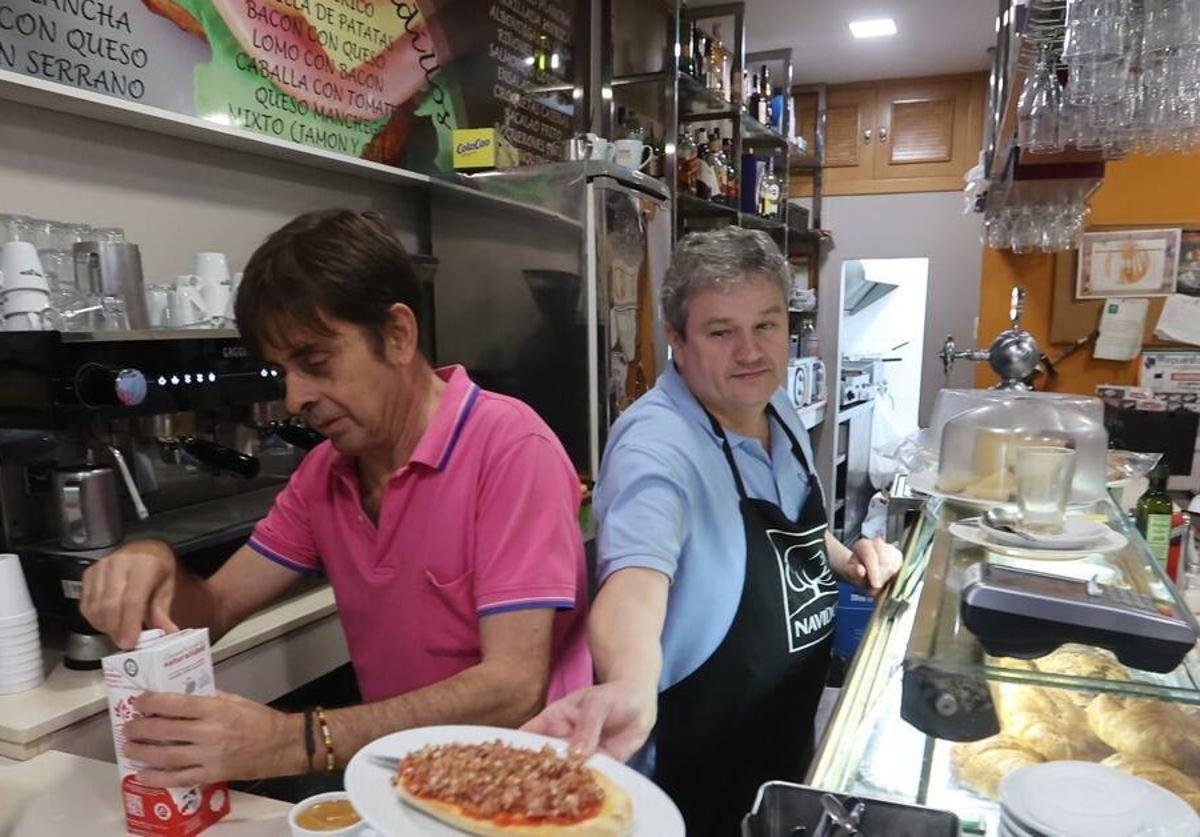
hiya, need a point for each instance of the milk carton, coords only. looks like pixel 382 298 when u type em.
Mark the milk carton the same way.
pixel 179 662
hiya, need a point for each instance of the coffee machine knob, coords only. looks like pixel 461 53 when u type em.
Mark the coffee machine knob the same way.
pixel 100 386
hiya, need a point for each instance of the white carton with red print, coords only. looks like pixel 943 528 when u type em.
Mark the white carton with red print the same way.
pixel 179 662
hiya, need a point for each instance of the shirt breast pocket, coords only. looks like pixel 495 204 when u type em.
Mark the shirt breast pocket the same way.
pixel 448 619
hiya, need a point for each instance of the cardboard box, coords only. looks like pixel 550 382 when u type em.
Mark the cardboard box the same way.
pixel 180 662
pixel 474 148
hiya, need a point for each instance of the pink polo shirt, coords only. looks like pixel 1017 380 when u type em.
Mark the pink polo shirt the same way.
pixel 483 519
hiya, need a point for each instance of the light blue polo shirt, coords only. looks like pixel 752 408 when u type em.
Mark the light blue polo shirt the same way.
pixel 666 501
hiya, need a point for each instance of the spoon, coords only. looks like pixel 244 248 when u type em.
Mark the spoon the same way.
pixel 1005 521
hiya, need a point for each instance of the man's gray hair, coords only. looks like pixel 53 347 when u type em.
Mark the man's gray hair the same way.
pixel 724 258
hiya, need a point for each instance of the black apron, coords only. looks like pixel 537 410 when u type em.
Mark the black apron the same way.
pixel 745 716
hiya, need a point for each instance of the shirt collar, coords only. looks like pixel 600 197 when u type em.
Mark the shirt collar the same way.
pixel 437 443
pixel 677 390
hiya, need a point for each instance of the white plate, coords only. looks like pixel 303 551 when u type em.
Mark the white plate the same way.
pixel 1081 799
pixel 371 792
pixel 971 533
pixel 1077 533
pixel 925 482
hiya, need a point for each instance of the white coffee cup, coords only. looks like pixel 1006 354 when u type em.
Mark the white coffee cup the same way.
pixel 211 268
pixel 602 149
pixel 11 649
pixel 21 267
pixel 632 153
pixel 216 298
pixel 24 300
pixel 359 829
pixel 26 320
pixel 159 300
pixel 188 307
pixel 14 592
pixel 13 687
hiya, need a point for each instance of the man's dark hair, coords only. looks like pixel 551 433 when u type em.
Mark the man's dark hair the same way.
pixel 331 264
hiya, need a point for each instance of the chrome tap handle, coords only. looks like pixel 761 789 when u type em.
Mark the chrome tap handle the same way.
pixel 947 354
pixel 1016 306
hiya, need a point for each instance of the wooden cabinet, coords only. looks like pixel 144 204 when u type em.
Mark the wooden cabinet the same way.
pixel 849 124
pixel 908 135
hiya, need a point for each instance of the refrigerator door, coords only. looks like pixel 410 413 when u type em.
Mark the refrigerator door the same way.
pixel 545 274
pixel 625 267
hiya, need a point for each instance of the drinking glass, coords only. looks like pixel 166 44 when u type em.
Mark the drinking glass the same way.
pixel 1039 104
pixel 1044 477
pixel 999 229
pixel 1025 233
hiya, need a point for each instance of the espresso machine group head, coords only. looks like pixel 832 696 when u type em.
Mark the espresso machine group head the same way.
pixel 177 436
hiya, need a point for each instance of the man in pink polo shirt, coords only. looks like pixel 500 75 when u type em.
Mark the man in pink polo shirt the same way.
pixel 444 516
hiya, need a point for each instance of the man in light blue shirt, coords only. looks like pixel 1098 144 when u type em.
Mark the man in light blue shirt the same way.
pixel 712 628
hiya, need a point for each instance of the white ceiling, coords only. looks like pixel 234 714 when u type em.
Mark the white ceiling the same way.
pixel 934 37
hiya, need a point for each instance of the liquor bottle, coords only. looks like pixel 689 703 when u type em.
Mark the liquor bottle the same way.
pixel 731 178
pixel 720 57
pixel 698 63
pixel 706 178
pixel 769 199
pixel 710 64
pixel 763 113
pixel 687 164
pixel 1154 511
pixel 754 97
pixel 720 165
pixel 687 37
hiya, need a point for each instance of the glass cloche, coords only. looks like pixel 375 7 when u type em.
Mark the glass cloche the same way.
pixel 978 446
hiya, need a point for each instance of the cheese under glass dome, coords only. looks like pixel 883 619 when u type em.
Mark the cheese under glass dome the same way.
pixel 978 446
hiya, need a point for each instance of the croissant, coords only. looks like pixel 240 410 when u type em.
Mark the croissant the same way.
pixel 1047 721
pixel 1082 661
pixel 980 765
pixel 1146 729
pixel 1161 774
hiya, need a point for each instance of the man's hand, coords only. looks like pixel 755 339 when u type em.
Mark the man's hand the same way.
pixel 196 738
pixel 614 717
pixel 870 563
pixel 132 587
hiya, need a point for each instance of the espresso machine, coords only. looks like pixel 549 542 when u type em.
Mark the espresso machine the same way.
pixel 107 437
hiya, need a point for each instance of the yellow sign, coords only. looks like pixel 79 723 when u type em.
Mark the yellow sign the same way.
pixel 474 148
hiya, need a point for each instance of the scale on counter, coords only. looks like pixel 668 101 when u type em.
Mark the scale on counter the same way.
pixel 1027 614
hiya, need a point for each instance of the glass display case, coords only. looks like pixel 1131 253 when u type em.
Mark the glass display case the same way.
pixel 918 717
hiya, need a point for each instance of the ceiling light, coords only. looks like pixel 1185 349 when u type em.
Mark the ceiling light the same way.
pixel 873 28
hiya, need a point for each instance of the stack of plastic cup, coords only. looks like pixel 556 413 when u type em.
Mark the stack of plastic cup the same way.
pixel 20 645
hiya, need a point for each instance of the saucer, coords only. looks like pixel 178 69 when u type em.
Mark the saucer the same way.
pixel 972 533
pixel 1076 533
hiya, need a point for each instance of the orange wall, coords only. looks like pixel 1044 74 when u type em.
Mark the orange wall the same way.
pixel 1161 189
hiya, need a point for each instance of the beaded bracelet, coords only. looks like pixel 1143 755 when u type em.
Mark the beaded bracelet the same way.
pixel 310 743
pixel 326 738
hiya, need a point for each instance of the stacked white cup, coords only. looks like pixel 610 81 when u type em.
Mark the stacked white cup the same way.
pixel 21 664
pixel 26 293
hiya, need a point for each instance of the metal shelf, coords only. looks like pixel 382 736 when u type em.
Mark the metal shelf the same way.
pixel 697 102
pixel 694 207
pixel 808 240
pixel 757 222
pixel 756 133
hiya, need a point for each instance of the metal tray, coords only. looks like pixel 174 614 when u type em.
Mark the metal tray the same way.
pixel 780 807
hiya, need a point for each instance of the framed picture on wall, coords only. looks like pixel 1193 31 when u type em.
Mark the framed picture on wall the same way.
pixel 1188 282
pixel 1135 263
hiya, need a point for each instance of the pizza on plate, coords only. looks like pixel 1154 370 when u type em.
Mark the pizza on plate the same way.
pixel 495 789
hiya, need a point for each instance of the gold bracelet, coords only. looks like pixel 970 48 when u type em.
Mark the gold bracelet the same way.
pixel 326 737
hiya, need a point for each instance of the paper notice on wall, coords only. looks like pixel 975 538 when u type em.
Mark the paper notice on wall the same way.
pixel 1180 320
pixel 1121 328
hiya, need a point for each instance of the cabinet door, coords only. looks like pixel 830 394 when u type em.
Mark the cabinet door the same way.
pixel 923 129
pixel 849 134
